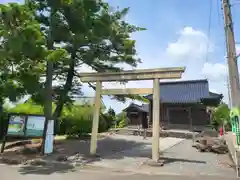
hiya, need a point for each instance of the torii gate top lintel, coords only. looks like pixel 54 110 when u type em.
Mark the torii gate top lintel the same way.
pixel 140 74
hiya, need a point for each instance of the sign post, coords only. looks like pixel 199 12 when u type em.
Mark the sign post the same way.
pixel 28 125
pixel 48 149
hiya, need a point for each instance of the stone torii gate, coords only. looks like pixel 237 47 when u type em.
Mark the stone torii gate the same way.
pixel 143 74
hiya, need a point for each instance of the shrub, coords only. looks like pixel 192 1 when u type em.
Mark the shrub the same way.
pixel 109 118
pixel 78 121
pixel 122 120
pixel 75 126
pixel 75 121
pixel 28 108
pixel 221 116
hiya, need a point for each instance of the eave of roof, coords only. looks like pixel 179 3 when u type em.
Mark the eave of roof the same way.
pixel 138 107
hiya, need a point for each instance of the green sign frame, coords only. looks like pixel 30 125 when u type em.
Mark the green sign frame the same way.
pixel 234 116
pixel 24 125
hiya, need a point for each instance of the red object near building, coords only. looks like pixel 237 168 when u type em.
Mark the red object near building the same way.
pixel 220 131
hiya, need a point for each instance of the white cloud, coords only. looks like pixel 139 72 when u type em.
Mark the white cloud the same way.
pixel 195 50
pixel 215 71
pixel 238 49
pixel 191 49
pixel 191 45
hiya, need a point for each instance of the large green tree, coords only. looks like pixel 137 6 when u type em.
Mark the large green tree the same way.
pixel 21 52
pixel 69 33
pixel 25 52
pixel 92 35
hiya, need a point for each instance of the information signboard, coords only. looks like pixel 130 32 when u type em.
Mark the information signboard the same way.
pixel 35 126
pixel 16 125
pixel 26 125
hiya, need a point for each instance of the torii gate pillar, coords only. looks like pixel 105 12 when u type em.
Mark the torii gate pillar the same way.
pixel 156 120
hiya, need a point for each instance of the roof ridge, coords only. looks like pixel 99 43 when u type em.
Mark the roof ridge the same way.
pixel 184 81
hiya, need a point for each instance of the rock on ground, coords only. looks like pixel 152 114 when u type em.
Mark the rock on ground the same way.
pixel 211 144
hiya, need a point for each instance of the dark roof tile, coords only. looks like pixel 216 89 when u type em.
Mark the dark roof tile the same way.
pixel 192 91
pixel 183 91
pixel 142 108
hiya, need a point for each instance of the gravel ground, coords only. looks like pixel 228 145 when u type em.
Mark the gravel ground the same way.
pixel 183 159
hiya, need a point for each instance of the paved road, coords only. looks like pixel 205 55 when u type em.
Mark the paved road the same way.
pixel 179 157
pixel 183 159
pixel 13 173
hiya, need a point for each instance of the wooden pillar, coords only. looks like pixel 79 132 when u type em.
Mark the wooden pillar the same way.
pixel 95 122
pixel 150 113
pixel 168 116
pixel 156 120
pixel 190 118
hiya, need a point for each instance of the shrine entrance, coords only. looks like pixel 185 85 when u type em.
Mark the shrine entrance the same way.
pixel 131 75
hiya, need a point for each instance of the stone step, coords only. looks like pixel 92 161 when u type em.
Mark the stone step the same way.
pixel 163 133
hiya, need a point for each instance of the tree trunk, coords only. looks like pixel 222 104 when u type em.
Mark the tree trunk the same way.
pixel 62 98
pixel 48 103
pixel 2 120
pixel 48 88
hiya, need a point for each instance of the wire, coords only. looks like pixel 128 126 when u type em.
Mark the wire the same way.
pixel 209 28
pixel 235 3
pixel 221 25
pixel 219 14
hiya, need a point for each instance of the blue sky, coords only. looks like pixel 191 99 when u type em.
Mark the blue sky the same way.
pixel 178 35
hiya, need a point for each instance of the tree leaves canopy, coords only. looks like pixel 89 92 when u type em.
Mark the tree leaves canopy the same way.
pixel 84 32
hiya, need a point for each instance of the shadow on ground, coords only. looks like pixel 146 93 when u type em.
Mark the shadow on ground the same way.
pixel 77 152
pixel 169 160
pixel 47 169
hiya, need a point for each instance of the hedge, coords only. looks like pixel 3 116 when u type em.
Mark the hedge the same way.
pixel 76 120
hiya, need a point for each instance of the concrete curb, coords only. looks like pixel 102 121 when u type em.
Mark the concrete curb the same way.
pixel 130 171
pixel 232 152
pixel 175 144
pixel 143 163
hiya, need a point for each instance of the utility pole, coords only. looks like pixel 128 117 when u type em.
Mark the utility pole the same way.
pixel 231 55
pixel 232 70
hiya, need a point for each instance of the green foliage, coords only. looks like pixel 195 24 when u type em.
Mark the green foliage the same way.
pixel 68 33
pixel 27 108
pixel 77 121
pixel 21 51
pixel 110 118
pixel 74 121
pixel 92 35
pixel 122 120
pixel 220 116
